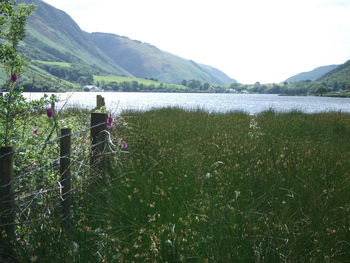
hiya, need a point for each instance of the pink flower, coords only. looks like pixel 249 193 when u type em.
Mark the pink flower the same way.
pixel 124 144
pixel 33 164
pixel 13 78
pixel 49 113
pixel 35 132
pixel 110 121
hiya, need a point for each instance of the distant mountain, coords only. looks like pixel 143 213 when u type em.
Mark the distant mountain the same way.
pixel 147 61
pixel 218 74
pixel 53 36
pixel 313 74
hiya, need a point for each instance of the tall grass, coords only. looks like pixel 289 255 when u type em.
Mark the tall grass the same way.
pixel 201 187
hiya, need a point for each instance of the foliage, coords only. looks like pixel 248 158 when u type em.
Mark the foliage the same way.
pixel 12 31
pixel 122 83
pixel 40 231
pixel 338 78
pixel 77 73
pixel 13 107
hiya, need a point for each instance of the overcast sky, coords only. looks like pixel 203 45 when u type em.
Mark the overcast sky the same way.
pixel 250 40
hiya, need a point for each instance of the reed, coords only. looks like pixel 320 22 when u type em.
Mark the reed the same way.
pixel 199 187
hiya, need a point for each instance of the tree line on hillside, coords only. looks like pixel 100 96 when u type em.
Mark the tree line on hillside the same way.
pixel 194 86
pixel 306 87
pixel 135 86
pixel 76 73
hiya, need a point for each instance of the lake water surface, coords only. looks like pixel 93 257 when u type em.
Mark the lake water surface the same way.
pixel 250 103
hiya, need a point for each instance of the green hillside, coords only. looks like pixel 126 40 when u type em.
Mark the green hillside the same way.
pixel 52 35
pixel 120 83
pixel 339 77
pixel 218 74
pixel 120 79
pixel 313 74
pixel 147 61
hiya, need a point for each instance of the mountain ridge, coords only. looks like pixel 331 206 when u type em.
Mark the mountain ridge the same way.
pixel 339 76
pixel 314 74
pixel 52 35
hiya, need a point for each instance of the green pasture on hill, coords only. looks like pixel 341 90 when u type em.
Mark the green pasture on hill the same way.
pixel 146 82
pixel 52 63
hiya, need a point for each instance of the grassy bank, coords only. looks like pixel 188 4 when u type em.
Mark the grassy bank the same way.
pixel 231 188
pixel 198 187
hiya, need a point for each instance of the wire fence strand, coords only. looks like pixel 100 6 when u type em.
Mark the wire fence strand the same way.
pixel 53 140
pixel 50 164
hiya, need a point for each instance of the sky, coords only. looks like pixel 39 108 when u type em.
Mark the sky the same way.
pixel 250 40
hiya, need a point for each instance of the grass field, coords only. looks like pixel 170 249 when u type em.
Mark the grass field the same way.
pixel 199 187
pixel 231 188
pixel 146 82
pixel 59 64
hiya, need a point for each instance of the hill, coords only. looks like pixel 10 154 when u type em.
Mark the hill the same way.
pixel 147 61
pixel 52 35
pixel 313 74
pixel 54 39
pixel 339 77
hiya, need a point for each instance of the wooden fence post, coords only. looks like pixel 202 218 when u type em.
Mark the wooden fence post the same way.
pixel 53 107
pixel 100 102
pixel 65 176
pixel 98 124
pixel 7 202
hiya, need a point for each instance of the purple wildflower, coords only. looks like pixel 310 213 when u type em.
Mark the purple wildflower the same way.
pixel 35 132
pixel 13 78
pixel 49 113
pixel 110 121
pixel 124 144
pixel 33 164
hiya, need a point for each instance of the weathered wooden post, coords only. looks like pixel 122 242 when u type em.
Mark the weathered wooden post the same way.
pixel 7 202
pixel 98 139
pixel 53 107
pixel 65 176
pixel 100 102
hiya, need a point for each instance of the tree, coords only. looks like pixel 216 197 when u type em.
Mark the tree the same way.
pixel 321 90
pixel 206 86
pixel 13 106
pixel 12 30
pixel 194 84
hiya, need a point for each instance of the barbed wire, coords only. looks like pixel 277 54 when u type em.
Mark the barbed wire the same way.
pixel 88 182
pixel 57 186
pixel 53 140
pixel 51 163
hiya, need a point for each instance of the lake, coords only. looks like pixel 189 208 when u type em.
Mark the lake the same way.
pixel 250 103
